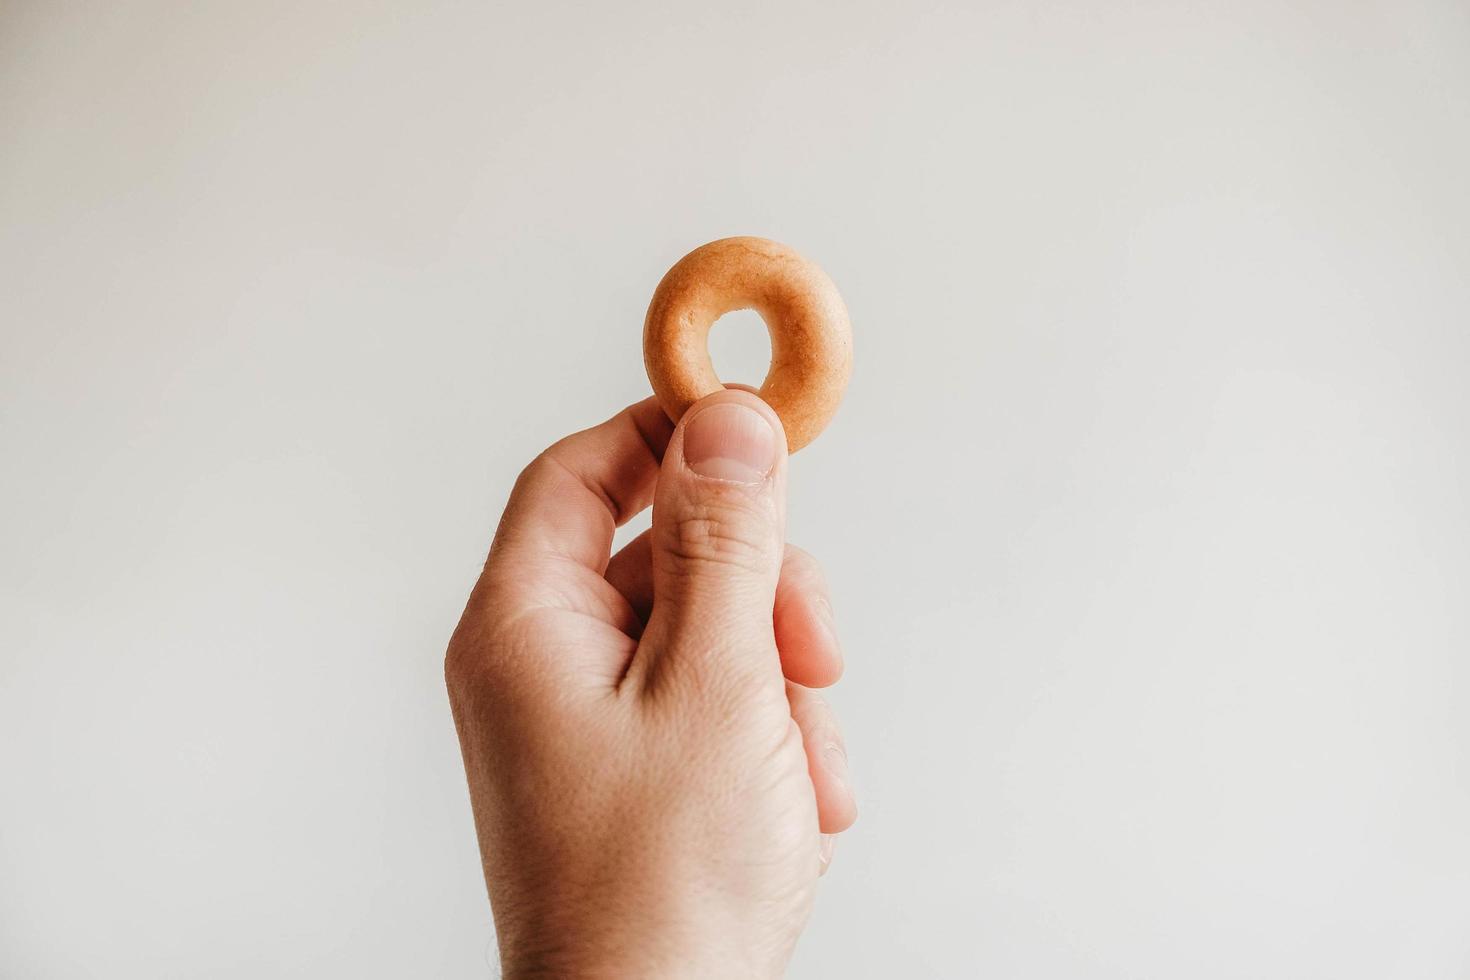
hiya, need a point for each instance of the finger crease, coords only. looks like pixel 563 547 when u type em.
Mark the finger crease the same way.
pixel 595 488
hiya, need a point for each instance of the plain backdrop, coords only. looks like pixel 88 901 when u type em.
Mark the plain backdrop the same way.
pixel 1147 513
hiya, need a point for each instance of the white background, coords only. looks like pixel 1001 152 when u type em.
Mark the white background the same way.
pixel 1146 512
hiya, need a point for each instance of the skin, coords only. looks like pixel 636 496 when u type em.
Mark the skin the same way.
pixel 655 783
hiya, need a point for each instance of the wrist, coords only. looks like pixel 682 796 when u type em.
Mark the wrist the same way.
pixel 629 939
pixel 575 960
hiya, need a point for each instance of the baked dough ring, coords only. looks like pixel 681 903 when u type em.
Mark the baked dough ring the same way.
pixel 811 340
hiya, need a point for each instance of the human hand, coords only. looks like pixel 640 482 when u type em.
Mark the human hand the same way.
pixel 654 782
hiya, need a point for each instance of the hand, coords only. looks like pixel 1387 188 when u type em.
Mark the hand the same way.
pixel 654 782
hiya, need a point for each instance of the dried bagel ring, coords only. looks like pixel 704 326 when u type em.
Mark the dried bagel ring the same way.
pixel 811 340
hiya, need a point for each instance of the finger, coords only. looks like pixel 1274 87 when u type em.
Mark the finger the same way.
pixel 805 635
pixel 829 844
pixel 630 571
pixel 553 542
pixel 568 502
pixel 717 545
pixel 826 757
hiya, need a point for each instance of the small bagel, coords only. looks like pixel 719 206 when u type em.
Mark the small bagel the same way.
pixel 811 339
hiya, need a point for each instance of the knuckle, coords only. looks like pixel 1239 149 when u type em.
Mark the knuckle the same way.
pixel 465 662
pixel 538 471
pixel 720 535
pixel 483 655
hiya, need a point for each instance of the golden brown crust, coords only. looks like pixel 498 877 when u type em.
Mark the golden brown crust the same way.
pixel 811 339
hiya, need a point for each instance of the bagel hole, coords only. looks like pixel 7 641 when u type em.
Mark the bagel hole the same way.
pixel 740 348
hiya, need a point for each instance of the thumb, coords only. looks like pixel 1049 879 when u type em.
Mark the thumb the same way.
pixel 719 528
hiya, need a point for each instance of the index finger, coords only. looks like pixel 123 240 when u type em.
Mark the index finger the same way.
pixel 568 502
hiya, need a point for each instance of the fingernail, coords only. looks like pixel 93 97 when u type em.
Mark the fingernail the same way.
pixel 829 843
pixel 827 618
pixel 728 441
pixel 834 757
